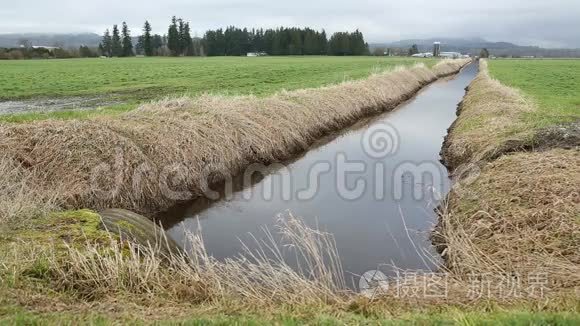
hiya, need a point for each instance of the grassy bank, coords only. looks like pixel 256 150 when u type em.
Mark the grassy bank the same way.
pixel 452 317
pixel 514 206
pixel 99 279
pixel 494 118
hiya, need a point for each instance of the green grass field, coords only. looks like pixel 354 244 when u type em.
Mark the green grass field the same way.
pixel 553 84
pixel 146 78
pixel 131 81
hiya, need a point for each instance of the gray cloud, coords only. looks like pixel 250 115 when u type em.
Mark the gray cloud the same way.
pixel 552 23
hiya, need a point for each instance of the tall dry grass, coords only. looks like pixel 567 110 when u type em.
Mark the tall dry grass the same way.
pixel 20 197
pixel 147 159
pixel 512 210
pixel 489 122
pixel 262 277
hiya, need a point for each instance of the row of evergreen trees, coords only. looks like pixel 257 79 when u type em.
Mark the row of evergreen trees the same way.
pixel 282 41
pixel 348 44
pixel 232 41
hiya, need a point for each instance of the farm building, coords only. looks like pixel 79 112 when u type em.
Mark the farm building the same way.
pixel 256 54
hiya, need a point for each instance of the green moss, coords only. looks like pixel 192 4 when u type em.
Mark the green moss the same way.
pixel 126 226
pixel 72 227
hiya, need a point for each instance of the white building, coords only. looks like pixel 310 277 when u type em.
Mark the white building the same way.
pixel 450 55
pixel 423 55
pixel 256 54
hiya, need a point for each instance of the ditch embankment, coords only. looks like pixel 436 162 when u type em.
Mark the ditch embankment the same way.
pixel 48 166
pixel 514 209
pixel 148 159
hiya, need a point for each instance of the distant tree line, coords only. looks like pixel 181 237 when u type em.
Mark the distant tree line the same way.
pixel 231 41
pixel 44 53
pixel 235 41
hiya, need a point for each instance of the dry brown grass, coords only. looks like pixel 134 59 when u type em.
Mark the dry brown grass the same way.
pixel 262 281
pixel 48 166
pixel 512 211
pixel 20 198
pixel 131 160
pixel 520 215
pixel 263 277
pixel 489 122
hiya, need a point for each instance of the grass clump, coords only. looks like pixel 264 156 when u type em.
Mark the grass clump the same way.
pixel 490 120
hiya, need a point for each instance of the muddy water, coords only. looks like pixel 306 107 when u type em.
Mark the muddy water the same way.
pixel 58 104
pixel 373 187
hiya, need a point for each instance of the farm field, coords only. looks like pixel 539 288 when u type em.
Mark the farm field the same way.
pixel 554 85
pixel 112 86
pixel 148 78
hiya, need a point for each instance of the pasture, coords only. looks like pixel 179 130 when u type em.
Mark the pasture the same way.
pixel 150 78
pixel 553 85
pixel 112 86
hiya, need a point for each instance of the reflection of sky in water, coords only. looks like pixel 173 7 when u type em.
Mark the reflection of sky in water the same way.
pixel 369 231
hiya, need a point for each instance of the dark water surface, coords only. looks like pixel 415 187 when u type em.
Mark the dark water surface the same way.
pixel 386 223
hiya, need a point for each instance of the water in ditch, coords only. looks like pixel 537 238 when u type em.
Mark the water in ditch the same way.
pixel 374 187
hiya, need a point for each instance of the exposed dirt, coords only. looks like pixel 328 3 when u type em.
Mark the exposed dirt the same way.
pixel 565 136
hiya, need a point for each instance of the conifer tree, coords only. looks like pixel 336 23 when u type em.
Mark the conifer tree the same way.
pixel 127 43
pixel 186 41
pixel 147 40
pixel 107 44
pixel 116 47
pixel 484 53
pixel 173 38
pixel 157 43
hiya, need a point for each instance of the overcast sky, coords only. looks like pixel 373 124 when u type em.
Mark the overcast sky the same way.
pixel 548 23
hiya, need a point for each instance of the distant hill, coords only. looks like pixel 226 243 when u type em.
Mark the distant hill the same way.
pixel 474 46
pixel 61 40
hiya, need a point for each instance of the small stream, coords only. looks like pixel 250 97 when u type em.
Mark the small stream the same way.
pixel 374 187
